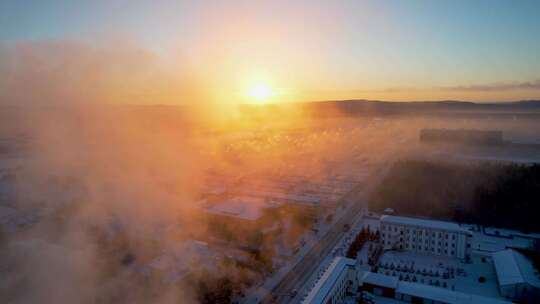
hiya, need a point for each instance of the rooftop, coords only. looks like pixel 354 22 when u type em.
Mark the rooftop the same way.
pixel 380 280
pixel 426 291
pixel 327 280
pixel 452 273
pixel 450 226
pixel 512 268
pixel 246 208
pixel 444 295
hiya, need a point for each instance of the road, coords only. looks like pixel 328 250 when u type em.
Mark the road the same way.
pixel 311 261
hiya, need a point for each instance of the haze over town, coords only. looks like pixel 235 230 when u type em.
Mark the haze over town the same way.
pixel 269 152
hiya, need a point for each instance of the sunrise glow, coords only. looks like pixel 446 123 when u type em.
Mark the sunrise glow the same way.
pixel 260 93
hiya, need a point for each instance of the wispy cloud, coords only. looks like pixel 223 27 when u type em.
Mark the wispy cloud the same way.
pixel 510 86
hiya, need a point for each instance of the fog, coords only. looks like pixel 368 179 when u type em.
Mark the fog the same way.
pixel 114 186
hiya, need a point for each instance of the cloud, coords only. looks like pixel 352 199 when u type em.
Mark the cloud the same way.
pixel 511 86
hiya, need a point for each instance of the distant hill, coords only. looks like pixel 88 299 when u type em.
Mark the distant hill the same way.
pixel 447 107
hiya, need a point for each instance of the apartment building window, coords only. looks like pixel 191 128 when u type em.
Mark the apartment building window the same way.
pixel 453 237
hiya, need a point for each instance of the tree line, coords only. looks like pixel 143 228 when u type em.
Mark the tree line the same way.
pixel 491 194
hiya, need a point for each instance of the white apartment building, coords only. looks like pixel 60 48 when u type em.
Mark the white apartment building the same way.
pixel 425 236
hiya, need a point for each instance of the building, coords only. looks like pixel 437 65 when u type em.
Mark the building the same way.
pixel 425 236
pixel 246 209
pixel 337 281
pixel 390 287
pixel 517 277
pixel 378 284
pixel 240 220
pixel 462 136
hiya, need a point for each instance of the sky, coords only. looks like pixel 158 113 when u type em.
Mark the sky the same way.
pixel 217 51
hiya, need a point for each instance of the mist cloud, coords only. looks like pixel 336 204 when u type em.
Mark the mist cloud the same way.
pixel 70 72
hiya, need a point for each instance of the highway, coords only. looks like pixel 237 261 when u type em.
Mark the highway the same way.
pixel 301 272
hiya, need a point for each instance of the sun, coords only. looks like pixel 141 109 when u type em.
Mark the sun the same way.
pixel 260 93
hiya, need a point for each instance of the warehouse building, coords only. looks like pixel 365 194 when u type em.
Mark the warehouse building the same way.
pixel 518 279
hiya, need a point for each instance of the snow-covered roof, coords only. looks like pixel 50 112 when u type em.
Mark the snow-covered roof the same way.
pixel 444 295
pixel 379 280
pixel 433 224
pixel 513 268
pixel 247 208
pixel 424 291
pixel 323 286
pixel 292 198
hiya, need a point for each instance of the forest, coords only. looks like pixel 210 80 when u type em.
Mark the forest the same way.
pixel 491 194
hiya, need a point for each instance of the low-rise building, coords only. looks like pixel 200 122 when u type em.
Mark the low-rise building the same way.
pixel 390 287
pixel 247 209
pixel 517 277
pixel 425 236
pixel 240 220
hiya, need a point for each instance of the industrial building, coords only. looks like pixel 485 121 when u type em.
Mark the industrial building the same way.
pixel 425 236
pixel 517 277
